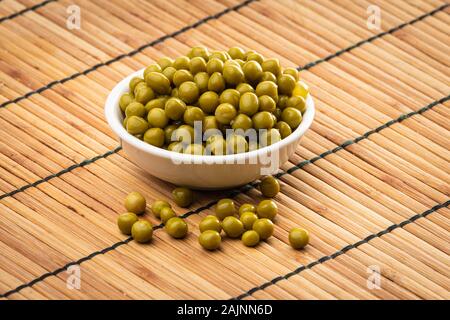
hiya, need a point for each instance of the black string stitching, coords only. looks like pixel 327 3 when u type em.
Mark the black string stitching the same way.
pixel 23 11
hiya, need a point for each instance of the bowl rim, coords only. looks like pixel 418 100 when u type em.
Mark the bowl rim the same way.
pixel 113 112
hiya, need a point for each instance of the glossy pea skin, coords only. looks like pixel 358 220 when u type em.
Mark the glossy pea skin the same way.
pixel 264 227
pixel 136 125
pixel 242 121
pixel 233 74
pixel 266 103
pixel 267 209
pixel 231 96
pixel 248 218
pixel 252 71
pixel 183 197
pixel 199 51
pixel 144 94
pixel 185 134
pixel 244 87
pixel 176 147
pixel 298 238
pixel 168 132
pixel 142 231
pixel 193 114
pixel 157 207
pixel 158 82
pixel 255 57
pixel 133 82
pixel 269 186
pixel 210 239
pixel 296 102
pixel 225 112
pixel 250 238
pixel 214 65
pixel 263 120
pixel 198 64
pixel 301 89
pixel 271 65
pixel 157 118
pixel 269 76
pixel 225 208
pixel 221 55
pixel 125 100
pixel 175 108
pixel 135 109
pixel 209 101
pixel 236 144
pixel 166 214
pixel 165 62
pixel 155 136
pixel 169 72
pixel 247 207
pixel 282 101
pixel 125 222
pixel 236 53
pixel 233 227
pixel 181 76
pixel 156 103
pixel 176 227
pixel 267 88
pixel 188 92
pixel 284 129
pixel 201 79
pixel 249 104
pixel 152 68
pixel 286 84
pixel 210 223
pixel 216 82
pixel 181 62
pixel 292 72
pixel 269 137
pixel 210 123
pixel 292 116
pixel 138 86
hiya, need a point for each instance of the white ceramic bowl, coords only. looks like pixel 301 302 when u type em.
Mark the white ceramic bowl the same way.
pixel 196 171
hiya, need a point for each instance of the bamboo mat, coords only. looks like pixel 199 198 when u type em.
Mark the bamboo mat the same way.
pixel 370 180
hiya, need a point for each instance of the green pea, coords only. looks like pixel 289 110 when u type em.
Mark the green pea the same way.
pixel 292 72
pixel 271 65
pixel 199 51
pixel 157 118
pixel 264 227
pixel 267 209
pixel 156 103
pixel 253 56
pixel 267 88
pixel 242 121
pixel 176 227
pixel 292 116
pixel 284 129
pixel 175 108
pixel 214 65
pixel 248 218
pixel 269 187
pixel 168 132
pixel 157 207
pixel 266 103
pixel 210 123
pixel 125 100
pixel 216 82
pixel 152 68
pixel 135 202
pixel 230 96
pixel 236 53
pixel 268 76
pixel 236 144
pixel 210 223
pixel 298 238
pixel 142 231
pixel 252 71
pixel 155 136
pixel 135 109
pixel 233 75
pixel 225 112
pixel 184 134
pixel 166 214
pixel 133 82
pixel 210 239
pixel 209 101
pixel 250 238
pixel 232 226
pixel 195 149
pixel 188 92
pixel 136 125
pixel 244 87
pixel 297 102
pixel 198 64
pixel 193 114
pixel 181 62
pixel 169 72
pixel 158 82
pixel 183 197
pixel 263 120
pixel 165 63
pixel 181 76
pixel 201 79
pixel 125 222
pixel 269 137
pixel 225 208
pixel 249 104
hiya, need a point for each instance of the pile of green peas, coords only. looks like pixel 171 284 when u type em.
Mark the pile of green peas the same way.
pixel 252 224
pixel 228 92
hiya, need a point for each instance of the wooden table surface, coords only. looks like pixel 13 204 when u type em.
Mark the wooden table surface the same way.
pixel 370 179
